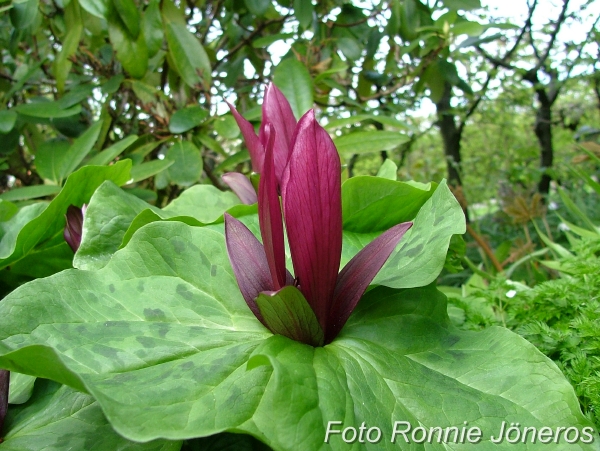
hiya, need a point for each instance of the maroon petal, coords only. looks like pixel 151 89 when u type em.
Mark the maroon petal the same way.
pixel 241 186
pixel 73 227
pixel 313 213
pixel 277 111
pixel 356 276
pixel 249 262
pixel 253 144
pixel 269 215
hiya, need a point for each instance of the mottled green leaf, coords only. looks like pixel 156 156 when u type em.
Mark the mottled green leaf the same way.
pixel 374 204
pixel 420 256
pixel 41 221
pixel 163 340
pixel 57 418
pixel 114 215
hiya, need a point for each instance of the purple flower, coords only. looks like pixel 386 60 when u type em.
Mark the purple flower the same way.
pixel 310 186
pixel 74 226
pixel 277 113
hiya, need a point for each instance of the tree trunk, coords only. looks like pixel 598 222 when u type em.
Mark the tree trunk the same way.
pixel 450 137
pixel 543 131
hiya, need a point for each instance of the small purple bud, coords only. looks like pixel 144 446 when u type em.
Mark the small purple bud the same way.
pixel 74 226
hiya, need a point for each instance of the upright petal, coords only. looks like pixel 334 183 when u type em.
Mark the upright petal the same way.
pixel 356 276
pixel 313 213
pixel 253 144
pixel 241 186
pixel 249 262
pixel 276 110
pixel 269 215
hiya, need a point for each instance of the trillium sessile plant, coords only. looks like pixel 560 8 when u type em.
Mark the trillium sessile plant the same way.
pixel 312 307
pixel 162 341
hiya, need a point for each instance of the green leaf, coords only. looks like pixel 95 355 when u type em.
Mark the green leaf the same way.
pixel 79 150
pixel 109 214
pixel 59 418
pixel 153 27
pixel 266 41
pixel 7 120
pixel 38 222
pixel 21 388
pixel 187 118
pixel 388 170
pixel 146 170
pixel 45 260
pixel 469 28
pixel 98 8
pixel 131 52
pixel 30 192
pixel 303 11
pixel 227 127
pixel 189 57
pixel 46 110
pixel 202 202
pixel 76 95
pixel 374 204
pixel 287 312
pixel 110 153
pixel 292 77
pixel 129 14
pixel 49 159
pixel 187 163
pixel 62 64
pixel 23 13
pixel 257 7
pixel 233 160
pixel 113 216
pixel 421 254
pixel 465 5
pixel 163 340
pixel 576 211
pixel 368 141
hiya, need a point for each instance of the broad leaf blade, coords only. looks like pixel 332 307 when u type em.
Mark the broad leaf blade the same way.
pixel 37 223
pixel 58 418
pixel 163 340
pixel 421 255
